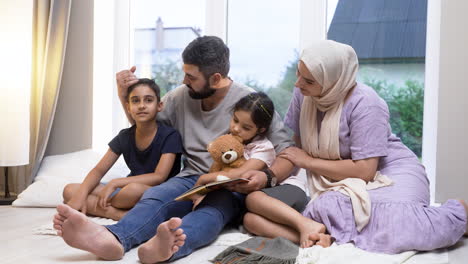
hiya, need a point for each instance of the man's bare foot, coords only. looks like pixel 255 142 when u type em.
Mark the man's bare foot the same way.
pixel 79 232
pixel 307 228
pixel 466 211
pixel 167 241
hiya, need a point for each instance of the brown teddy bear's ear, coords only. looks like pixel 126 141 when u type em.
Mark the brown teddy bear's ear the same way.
pixel 238 139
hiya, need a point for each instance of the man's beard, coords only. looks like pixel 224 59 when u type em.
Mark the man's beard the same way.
pixel 205 93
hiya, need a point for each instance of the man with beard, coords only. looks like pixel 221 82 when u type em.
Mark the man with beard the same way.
pixel 200 110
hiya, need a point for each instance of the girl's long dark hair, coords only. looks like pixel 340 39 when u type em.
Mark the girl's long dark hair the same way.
pixel 261 108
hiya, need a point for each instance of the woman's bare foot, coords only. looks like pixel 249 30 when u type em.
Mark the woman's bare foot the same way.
pixel 307 228
pixel 325 240
pixel 466 211
pixel 167 241
pixel 78 232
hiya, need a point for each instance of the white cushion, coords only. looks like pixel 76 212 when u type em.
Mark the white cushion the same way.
pixel 59 170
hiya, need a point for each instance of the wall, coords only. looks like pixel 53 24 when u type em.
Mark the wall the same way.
pixel 452 114
pixel 72 127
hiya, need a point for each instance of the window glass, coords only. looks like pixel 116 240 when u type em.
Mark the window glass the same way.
pixel 263 37
pixel 162 29
pixel 389 37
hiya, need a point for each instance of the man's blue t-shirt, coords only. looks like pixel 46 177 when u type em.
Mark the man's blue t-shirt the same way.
pixel 166 140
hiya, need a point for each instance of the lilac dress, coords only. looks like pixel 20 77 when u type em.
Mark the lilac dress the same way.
pixel 401 218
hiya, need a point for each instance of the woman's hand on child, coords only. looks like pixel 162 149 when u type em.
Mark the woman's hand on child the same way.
pixel 297 156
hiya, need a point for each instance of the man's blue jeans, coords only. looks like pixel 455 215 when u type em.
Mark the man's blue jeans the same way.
pixel 157 205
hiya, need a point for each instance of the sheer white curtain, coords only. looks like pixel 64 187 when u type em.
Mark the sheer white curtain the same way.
pixel 50 30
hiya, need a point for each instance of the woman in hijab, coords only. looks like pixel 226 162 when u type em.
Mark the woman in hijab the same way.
pixel 365 185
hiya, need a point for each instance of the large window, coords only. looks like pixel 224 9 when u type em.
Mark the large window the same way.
pixel 264 46
pixel 162 29
pixel 389 37
pixel 296 24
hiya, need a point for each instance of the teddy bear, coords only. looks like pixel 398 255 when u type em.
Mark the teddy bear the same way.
pixel 227 152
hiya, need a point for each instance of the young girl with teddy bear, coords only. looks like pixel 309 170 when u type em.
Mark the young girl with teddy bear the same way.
pixel 251 118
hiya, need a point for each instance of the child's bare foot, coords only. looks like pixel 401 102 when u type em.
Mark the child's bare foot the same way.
pixel 466 211
pixel 167 241
pixel 307 228
pixel 109 211
pixel 115 213
pixel 78 232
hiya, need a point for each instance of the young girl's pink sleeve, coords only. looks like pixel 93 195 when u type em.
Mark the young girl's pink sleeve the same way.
pixel 261 149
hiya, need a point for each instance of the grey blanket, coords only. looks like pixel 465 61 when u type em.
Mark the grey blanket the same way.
pixel 260 250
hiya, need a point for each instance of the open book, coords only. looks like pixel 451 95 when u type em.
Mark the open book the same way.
pixel 204 189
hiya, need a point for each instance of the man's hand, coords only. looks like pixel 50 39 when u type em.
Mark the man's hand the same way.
pixel 124 79
pixel 258 180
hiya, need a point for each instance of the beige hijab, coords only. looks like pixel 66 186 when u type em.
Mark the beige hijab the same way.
pixel 334 66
